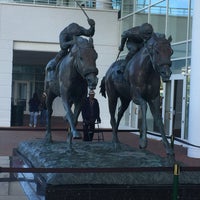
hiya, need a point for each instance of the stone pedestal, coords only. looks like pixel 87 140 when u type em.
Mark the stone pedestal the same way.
pixel 97 170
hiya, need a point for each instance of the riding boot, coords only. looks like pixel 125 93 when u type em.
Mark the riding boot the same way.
pixel 125 62
pixel 54 62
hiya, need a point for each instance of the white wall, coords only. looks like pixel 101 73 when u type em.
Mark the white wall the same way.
pixel 29 27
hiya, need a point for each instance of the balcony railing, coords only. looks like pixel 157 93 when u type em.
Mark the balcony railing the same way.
pixel 96 4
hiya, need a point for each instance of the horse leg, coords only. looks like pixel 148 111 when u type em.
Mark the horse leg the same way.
pixel 155 110
pixel 49 102
pixel 77 110
pixel 143 129
pixel 112 103
pixel 122 109
pixel 70 118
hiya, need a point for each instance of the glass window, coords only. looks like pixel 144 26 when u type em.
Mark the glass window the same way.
pixel 177 20
pixel 141 4
pixel 189 48
pixel 116 4
pixel 127 7
pixel 28 73
pixel 179 50
pixel 141 17
pixel 190 19
pixel 178 66
pixel 156 1
pixel 159 7
pixel 158 17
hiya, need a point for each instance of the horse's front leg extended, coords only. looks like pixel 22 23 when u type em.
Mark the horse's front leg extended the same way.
pixel 112 103
pixel 143 129
pixel 155 110
pixel 70 118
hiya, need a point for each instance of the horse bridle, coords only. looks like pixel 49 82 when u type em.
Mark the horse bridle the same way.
pixel 89 71
pixel 150 51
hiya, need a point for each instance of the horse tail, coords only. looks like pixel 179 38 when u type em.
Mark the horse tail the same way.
pixel 103 87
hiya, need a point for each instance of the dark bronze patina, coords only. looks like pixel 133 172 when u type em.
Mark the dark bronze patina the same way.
pixel 74 74
pixel 140 83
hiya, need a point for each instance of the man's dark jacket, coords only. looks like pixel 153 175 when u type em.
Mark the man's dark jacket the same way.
pixel 86 111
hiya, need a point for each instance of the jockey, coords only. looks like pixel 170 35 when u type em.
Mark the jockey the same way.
pixel 134 38
pixel 66 41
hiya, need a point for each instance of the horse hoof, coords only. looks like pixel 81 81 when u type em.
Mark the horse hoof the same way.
pixel 47 140
pixel 117 145
pixel 76 135
pixel 143 143
pixel 77 138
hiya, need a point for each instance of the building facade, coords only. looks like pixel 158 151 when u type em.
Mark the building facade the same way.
pixel 29 38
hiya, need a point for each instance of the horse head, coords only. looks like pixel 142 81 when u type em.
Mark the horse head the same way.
pixel 85 60
pixel 160 52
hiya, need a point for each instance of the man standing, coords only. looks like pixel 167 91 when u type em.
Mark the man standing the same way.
pixel 34 103
pixel 90 114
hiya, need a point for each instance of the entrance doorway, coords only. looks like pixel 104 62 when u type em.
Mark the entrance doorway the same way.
pixel 174 105
pixel 21 94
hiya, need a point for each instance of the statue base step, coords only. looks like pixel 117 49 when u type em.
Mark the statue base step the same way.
pixel 97 170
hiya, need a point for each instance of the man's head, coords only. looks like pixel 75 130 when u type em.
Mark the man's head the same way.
pixel 146 31
pixel 91 94
pixel 44 95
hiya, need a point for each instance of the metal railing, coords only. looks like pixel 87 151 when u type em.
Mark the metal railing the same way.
pixel 95 4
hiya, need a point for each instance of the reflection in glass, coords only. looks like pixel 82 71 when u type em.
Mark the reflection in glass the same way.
pixel 178 66
pixel 141 4
pixel 179 50
pixel 177 19
pixel 189 48
pixel 158 17
pixel 127 7
pixel 190 20
pixel 141 17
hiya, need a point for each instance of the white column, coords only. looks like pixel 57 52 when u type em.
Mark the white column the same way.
pixel 194 106
pixel 6 49
pixel 104 4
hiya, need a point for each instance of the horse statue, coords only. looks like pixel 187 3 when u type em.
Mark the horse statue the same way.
pixel 140 83
pixel 74 74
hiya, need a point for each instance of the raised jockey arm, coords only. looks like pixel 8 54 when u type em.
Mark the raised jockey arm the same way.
pixel 89 32
pixel 123 41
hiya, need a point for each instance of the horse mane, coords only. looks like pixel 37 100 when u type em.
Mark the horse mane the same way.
pixel 156 37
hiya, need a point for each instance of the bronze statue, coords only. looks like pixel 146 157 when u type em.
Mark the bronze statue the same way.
pixel 141 84
pixel 134 38
pixel 66 40
pixel 76 71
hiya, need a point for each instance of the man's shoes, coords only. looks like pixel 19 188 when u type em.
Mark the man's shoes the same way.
pixel 77 138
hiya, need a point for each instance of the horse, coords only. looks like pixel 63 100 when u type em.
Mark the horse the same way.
pixel 75 73
pixel 140 83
